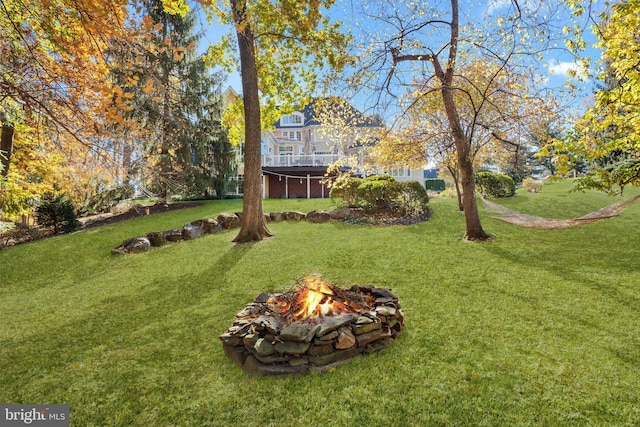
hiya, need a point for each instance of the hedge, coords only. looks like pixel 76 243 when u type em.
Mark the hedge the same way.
pixel 380 193
pixel 434 184
pixel 495 184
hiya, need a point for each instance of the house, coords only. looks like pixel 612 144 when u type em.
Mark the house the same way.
pixel 297 152
pixel 301 145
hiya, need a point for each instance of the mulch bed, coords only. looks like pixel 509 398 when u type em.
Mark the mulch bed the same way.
pixel 23 234
pixel 387 218
pixel 133 212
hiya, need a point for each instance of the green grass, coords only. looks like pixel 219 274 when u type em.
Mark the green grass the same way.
pixel 535 328
pixel 556 200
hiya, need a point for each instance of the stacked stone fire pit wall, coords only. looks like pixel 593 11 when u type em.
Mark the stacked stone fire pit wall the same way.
pixel 262 345
pixel 224 221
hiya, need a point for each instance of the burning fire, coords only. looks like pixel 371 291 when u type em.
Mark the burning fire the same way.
pixel 314 299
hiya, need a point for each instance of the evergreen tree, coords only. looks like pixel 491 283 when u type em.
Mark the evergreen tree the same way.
pixel 171 106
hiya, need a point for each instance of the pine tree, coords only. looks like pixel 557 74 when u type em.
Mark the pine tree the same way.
pixel 171 106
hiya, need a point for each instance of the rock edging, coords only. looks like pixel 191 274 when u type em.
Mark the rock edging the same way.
pixel 224 221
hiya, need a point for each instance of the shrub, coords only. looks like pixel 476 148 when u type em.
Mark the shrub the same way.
pixel 376 193
pixel 412 198
pixel 434 184
pixel 380 193
pixel 56 211
pixel 495 184
pixel 532 185
pixel 343 191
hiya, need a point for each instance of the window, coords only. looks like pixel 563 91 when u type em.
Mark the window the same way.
pixel 400 172
pixel 285 150
pixel 291 120
pixel 298 135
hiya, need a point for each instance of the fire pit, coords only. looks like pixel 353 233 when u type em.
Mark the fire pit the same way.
pixel 313 327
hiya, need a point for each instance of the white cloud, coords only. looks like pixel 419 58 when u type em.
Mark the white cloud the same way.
pixel 564 68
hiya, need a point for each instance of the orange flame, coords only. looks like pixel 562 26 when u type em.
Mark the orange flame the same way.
pixel 312 300
pixel 315 299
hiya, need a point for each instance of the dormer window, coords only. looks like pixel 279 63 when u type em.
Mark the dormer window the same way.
pixel 294 119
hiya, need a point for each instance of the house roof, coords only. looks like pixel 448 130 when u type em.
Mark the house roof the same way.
pixel 352 115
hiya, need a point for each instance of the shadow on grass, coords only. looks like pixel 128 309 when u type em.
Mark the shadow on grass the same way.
pixel 111 345
pixel 605 291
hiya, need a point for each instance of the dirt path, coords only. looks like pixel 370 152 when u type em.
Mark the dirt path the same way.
pixel 523 220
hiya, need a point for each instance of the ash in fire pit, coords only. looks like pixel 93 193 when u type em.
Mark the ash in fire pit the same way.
pixel 312 328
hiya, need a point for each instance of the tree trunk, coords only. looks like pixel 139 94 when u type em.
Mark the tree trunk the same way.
pixel 456 180
pixel 252 226
pixel 6 149
pixel 474 229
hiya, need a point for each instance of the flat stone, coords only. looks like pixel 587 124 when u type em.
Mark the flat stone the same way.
pixel 267 323
pixel 264 347
pixel 190 232
pixel 346 339
pixel 299 361
pixel 368 337
pixel 385 311
pixel 318 216
pixel 294 215
pixel 231 339
pixel 272 358
pixel 244 312
pixel 319 349
pixel 255 367
pixel 383 293
pixel 335 356
pixel 173 235
pixel 330 336
pixel 262 298
pixel 228 221
pixel 241 322
pixel 250 340
pixel 157 238
pixel 292 347
pixel 209 225
pixel 276 216
pixel 240 329
pixel 363 329
pixel 385 301
pixel 299 332
pixel 137 245
pixel 339 214
pixel 364 320
pixel 330 324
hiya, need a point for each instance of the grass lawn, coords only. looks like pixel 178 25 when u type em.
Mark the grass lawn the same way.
pixel 535 328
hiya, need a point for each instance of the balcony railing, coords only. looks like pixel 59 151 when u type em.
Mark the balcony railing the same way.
pixel 285 160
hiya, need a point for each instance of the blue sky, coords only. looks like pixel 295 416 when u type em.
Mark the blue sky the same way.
pixel 555 68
